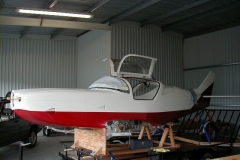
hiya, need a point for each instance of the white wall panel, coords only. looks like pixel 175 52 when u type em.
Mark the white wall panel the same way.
pixel 93 47
pixel 209 50
pixel 37 63
pixel 151 42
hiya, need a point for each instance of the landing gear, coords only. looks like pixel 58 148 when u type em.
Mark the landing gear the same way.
pixel 32 138
pixel 46 131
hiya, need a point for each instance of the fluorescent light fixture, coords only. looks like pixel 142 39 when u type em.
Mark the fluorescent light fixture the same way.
pixel 54 13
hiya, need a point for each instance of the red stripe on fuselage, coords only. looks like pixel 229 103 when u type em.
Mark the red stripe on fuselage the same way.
pixel 92 119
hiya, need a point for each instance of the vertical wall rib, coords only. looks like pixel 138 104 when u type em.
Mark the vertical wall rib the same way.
pixel 93 47
pixel 37 63
pixel 151 42
pixel 221 47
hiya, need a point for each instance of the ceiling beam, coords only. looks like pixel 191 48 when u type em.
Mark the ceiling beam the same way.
pixel 229 25
pixel 53 4
pixel 202 15
pixel 24 31
pixel 56 32
pixel 83 33
pixel 9 20
pixel 132 10
pixel 97 5
pixel 176 11
pixel 126 13
pixel 49 6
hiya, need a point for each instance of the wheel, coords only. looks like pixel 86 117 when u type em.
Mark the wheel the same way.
pixel 207 156
pixel 46 132
pixel 32 138
pixel 211 131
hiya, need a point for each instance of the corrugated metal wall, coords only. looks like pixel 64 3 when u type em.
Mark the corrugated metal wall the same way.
pixel 37 63
pixel 93 47
pixel 212 51
pixel 151 42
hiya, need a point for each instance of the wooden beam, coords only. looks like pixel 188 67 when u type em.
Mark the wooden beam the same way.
pixel 164 136
pixel 129 151
pixel 171 137
pixel 141 132
pixel 147 131
pixel 186 140
pixel 20 21
pixel 234 157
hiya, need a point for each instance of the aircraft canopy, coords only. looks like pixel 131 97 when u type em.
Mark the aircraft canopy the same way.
pixel 133 65
pixel 108 82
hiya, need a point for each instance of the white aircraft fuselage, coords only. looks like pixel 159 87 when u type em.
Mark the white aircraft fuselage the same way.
pixel 157 104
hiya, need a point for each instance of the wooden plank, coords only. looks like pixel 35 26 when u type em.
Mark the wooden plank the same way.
pixel 148 133
pixel 171 137
pixel 236 144
pixel 208 144
pixel 117 145
pixel 234 157
pixel 91 139
pixel 117 149
pixel 164 136
pixel 186 140
pixel 177 146
pixel 130 151
pixel 164 144
pixel 220 144
pixel 156 141
pixel 141 132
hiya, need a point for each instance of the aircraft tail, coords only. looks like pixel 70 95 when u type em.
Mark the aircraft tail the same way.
pixel 208 81
pixel 205 88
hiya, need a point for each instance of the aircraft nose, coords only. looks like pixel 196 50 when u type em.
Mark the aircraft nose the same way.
pixel 13 99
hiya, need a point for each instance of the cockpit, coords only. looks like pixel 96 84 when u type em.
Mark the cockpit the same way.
pixel 137 70
pixel 141 89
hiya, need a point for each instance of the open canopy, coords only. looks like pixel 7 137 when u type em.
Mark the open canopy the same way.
pixel 133 66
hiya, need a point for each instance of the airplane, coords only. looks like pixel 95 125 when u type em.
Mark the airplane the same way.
pixel 130 93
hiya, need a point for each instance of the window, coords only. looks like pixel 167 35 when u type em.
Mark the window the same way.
pixel 111 83
pixel 136 65
pixel 146 90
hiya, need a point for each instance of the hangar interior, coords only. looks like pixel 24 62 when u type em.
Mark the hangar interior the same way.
pixel 188 37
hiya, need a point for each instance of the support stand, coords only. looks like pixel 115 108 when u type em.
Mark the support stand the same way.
pixel 167 130
pixel 21 150
pixel 142 132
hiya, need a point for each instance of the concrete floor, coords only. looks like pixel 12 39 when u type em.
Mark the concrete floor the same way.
pixel 47 148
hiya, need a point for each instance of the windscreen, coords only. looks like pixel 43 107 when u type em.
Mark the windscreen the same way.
pixel 108 82
pixel 135 64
